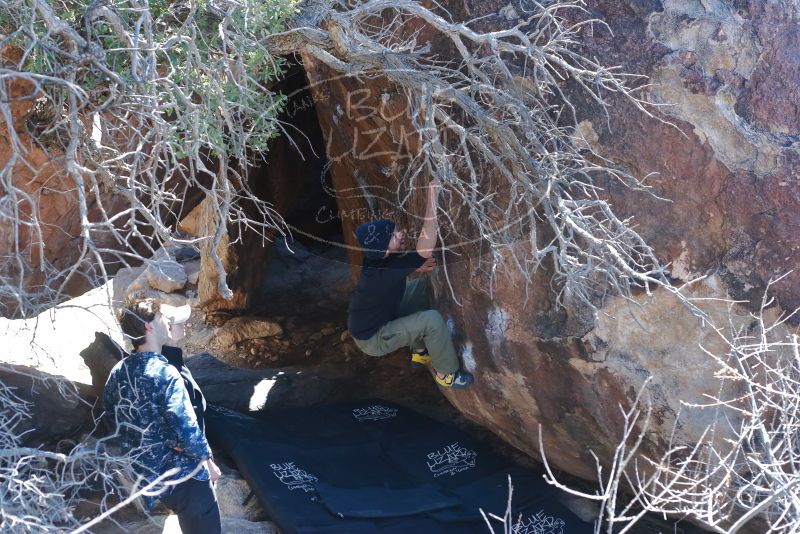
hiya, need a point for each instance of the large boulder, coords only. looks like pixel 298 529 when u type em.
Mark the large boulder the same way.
pixel 35 181
pixel 42 361
pixel 57 408
pixel 52 341
pixel 729 166
pixel 100 356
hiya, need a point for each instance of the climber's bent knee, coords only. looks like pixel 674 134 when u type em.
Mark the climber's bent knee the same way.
pixel 370 347
pixel 433 319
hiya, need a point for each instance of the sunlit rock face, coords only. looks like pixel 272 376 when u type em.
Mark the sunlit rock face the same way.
pixel 40 190
pixel 728 165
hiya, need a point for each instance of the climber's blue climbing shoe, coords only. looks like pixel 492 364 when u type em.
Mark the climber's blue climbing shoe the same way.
pixel 457 380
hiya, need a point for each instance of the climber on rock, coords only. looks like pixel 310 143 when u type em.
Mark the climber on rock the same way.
pixel 387 312
pixel 147 401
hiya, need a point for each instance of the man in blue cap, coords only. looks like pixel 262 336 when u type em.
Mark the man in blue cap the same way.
pixel 387 312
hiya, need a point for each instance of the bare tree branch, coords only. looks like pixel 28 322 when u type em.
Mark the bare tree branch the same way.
pixel 487 127
pixel 40 489
pixel 130 103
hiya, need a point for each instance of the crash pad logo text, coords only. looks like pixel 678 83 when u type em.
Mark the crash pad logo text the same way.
pixel 451 460
pixel 374 413
pixel 293 476
pixel 541 524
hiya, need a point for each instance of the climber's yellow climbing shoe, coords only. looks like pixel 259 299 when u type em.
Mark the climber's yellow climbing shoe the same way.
pixel 418 359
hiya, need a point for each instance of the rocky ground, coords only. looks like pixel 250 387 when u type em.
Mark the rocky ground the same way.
pixel 297 323
pixel 298 319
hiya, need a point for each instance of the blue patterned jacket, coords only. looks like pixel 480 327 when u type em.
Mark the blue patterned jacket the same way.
pixel 146 399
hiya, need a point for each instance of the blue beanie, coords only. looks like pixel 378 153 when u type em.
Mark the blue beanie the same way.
pixel 374 237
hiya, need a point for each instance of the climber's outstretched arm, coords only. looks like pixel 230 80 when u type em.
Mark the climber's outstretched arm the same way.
pixel 430 228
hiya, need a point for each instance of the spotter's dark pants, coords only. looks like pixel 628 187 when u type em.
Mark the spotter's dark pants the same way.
pixel 195 504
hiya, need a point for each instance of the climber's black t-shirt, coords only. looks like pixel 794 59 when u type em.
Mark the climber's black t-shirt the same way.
pixel 379 291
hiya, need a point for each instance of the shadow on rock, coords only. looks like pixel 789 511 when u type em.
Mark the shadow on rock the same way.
pixel 264 389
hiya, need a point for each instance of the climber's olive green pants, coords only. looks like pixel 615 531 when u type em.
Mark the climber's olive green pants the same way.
pixel 417 326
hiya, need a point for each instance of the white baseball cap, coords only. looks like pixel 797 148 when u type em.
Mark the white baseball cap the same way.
pixel 176 314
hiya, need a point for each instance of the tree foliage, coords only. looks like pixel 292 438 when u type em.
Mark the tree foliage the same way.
pixel 138 99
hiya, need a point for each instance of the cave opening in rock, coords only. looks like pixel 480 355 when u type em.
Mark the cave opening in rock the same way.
pixel 298 167
pixel 301 280
pixel 295 178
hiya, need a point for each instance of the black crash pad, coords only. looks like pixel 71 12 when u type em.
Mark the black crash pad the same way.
pixel 375 467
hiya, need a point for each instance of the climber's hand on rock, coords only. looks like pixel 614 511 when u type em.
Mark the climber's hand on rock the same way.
pixel 428 266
